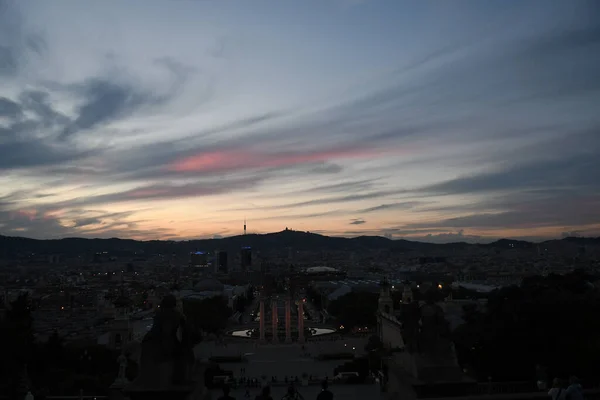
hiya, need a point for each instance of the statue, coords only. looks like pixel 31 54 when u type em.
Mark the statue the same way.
pixel 410 326
pixel 121 378
pixel 165 359
pixel 434 333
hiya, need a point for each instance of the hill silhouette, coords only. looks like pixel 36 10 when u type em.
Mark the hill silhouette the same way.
pixel 298 240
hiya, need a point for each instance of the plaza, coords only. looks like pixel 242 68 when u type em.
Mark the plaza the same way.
pixel 281 361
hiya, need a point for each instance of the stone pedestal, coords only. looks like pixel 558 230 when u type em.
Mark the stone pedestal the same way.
pixel 262 321
pixel 300 321
pixel 275 338
pixel 288 321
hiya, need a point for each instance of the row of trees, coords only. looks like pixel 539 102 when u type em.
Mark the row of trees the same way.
pixel 547 327
pixel 355 309
pixel 52 367
pixel 206 316
pixel 49 367
pixel 245 300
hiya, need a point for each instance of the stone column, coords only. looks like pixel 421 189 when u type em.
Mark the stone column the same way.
pixel 301 321
pixel 262 320
pixel 274 320
pixel 288 320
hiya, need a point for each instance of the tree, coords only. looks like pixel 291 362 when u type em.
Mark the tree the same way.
pixel 374 343
pixel 355 309
pixel 551 321
pixel 208 315
pixel 16 345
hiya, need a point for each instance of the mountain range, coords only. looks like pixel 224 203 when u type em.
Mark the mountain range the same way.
pixel 297 240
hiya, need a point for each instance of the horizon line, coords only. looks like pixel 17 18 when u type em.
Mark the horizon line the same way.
pixel 475 242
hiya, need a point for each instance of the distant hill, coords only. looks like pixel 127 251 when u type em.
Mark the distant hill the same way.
pixel 10 246
pixel 511 244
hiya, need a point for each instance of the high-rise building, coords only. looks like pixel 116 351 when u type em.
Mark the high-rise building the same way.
pixel 221 265
pixel 199 258
pixel 246 258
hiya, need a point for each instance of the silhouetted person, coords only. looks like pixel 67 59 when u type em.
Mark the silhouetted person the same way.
pixel 292 394
pixel 574 391
pixel 325 393
pixel 557 392
pixel 226 395
pixel 265 394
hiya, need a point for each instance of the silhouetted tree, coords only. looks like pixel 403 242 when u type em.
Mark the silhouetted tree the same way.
pixel 208 315
pixel 355 309
pixel 551 321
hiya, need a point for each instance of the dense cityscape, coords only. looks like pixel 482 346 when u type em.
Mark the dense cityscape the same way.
pixel 91 300
pixel 299 199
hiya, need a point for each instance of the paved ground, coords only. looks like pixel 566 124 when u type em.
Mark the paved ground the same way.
pixel 340 392
pixel 280 360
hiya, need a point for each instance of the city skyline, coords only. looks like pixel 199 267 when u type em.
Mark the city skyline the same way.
pixel 431 121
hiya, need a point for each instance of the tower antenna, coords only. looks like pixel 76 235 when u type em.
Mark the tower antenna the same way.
pixel 244 226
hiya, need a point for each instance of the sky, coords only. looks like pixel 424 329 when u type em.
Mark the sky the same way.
pixel 437 121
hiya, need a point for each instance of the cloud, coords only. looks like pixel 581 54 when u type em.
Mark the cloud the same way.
pixel 159 192
pixel 548 212
pixel 38 102
pixel 292 217
pixel 571 171
pixel 338 199
pixel 395 206
pixel 226 160
pixel 17 46
pixel 10 109
pixel 357 221
pixel 363 184
pixel 105 101
pixel 27 141
pixel 40 224
pixel 495 126
pixel 19 154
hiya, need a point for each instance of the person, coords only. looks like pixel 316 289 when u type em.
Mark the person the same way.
pixel 292 394
pixel 265 394
pixel 226 395
pixel 574 391
pixel 556 392
pixel 326 394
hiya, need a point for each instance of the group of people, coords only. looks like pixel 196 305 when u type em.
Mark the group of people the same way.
pixel 291 393
pixel 573 391
pixel 254 382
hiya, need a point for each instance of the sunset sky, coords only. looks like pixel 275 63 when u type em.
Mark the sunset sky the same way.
pixel 425 120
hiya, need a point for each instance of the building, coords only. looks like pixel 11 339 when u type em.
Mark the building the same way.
pixel 221 265
pixel 199 258
pixel 246 258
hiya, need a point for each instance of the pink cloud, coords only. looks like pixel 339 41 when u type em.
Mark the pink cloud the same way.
pixel 225 160
pixel 28 214
pixel 33 214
